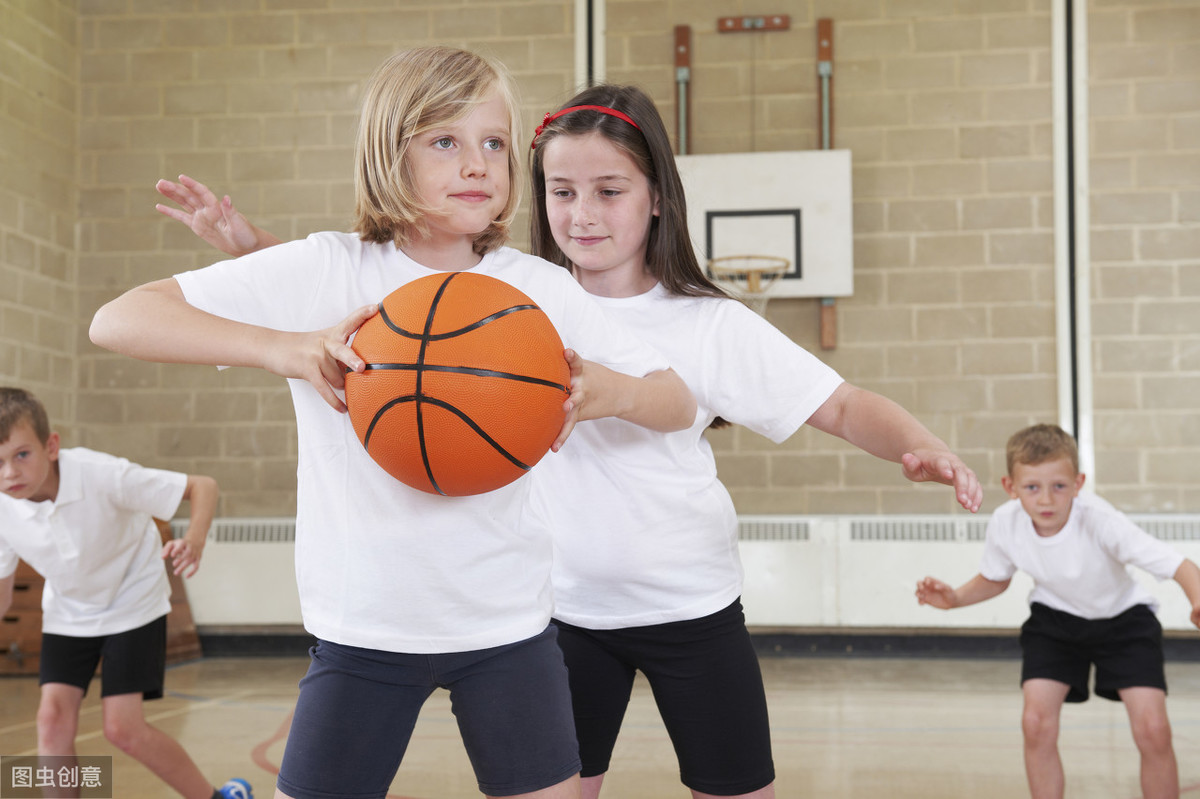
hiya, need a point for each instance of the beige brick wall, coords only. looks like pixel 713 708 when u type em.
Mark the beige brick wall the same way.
pixel 260 101
pixel 39 314
pixel 947 111
pixel 945 106
pixel 1145 138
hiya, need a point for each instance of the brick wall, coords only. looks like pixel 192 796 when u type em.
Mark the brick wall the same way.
pixel 39 88
pixel 1145 214
pixel 259 100
pixel 945 104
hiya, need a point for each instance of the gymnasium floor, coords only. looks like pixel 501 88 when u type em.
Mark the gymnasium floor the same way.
pixel 843 727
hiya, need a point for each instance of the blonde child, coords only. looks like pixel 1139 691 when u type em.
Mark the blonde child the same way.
pixel 1085 607
pixel 84 520
pixel 405 591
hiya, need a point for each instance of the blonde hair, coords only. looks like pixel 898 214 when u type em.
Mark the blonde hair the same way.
pixel 410 93
pixel 18 405
pixel 1041 443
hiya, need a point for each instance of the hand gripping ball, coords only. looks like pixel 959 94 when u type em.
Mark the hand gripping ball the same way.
pixel 464 386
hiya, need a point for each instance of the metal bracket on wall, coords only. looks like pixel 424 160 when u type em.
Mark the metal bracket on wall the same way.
pixel 825 76
pixel 767 22
pixel 683 91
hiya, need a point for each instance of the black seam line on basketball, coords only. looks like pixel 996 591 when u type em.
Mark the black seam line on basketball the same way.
pixel 395 328
pixel 466 370
pixel 454 410
pixel 433 305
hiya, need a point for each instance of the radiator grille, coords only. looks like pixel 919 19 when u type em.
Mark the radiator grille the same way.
pixel 250 530
pixel 1178 527
pixel 900 528
pixel 772 528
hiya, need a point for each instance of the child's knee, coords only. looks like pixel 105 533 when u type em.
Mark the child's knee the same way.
pixel 1039 727
pixel 55 720
pixel 123 732
pixel 1152 733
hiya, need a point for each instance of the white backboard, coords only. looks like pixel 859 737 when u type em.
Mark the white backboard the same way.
pixel 795 205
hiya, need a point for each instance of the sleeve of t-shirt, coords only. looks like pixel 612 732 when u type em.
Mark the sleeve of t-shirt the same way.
pixel 995 563
pixel 754 375
pixel 157 492
pixel 280 287
pixel 1132 545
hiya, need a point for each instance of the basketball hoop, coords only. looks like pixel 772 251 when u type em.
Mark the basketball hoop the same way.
pixel 749 277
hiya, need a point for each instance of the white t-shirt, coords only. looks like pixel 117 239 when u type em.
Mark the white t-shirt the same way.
pixel 96 543
pixel 644 531
pixel 1081 569
pixel 380 565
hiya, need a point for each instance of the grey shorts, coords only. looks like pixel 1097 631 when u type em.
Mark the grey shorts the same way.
pixel 357 708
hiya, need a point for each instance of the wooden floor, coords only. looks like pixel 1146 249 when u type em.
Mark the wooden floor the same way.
pixel 843 727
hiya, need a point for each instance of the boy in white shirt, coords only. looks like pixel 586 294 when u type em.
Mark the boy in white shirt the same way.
pixel 1085 606
pixel 84 520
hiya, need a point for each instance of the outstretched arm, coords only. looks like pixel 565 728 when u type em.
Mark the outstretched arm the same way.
pixel 1188 577
pixel 215 221
pixel 659 401
pixel 154 322
pixel 184 553
pixel 876 425
pixel 941 595
pixel 6 592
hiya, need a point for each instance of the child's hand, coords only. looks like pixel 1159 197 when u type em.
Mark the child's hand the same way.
pixel 943 466
pixel 184 555
pixel 322 357
pixel 1196 615
pixel 936 593
pixel 215 221
pixel 574 401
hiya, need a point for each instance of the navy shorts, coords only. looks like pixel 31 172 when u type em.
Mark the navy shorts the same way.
pixel 1127 650
pixel 706 681
pixel 357 709
pixel 135 661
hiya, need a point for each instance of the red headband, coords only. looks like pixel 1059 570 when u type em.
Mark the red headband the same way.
pixel 603 109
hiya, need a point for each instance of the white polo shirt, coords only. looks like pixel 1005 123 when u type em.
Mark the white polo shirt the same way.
pixel 96 543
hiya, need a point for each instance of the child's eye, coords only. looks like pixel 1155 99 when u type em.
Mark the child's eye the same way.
pixel 494 144
pixel 610 192
pixel 443 142
pixel 561 194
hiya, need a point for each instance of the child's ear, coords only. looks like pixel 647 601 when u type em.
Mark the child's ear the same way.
pixel 654 212
pixel 52 446
pixel 1079 480
pixel 1007 483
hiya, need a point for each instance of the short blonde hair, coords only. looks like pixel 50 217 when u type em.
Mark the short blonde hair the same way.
pixel 1039 444
pixel 411 92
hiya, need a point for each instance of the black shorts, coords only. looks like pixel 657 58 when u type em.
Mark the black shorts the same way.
pixel 1127 650
pixel 706 681
pixel 134 661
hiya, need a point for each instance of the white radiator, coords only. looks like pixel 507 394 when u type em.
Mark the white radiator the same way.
pixel 844 572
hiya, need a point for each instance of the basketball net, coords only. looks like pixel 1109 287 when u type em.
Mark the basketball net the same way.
pixel 749 277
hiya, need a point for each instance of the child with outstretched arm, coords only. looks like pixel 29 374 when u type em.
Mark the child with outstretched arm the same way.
pixel 84 520
pixel 1085 607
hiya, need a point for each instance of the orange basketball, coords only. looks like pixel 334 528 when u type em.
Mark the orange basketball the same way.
pixel 464 387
